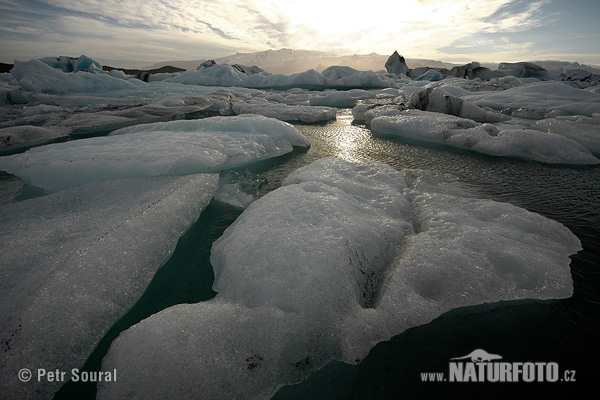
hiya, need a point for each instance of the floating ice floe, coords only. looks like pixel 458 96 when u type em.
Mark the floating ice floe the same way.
pixel 487 139
pixel 342 256
pixel 74 262
pixel 584 130
pixel 545 97
pixel 285 112
pixel 36 76
pixel 166 148
pixel 217 75
pixel 29 134
pixel 73 64
pixel 439 100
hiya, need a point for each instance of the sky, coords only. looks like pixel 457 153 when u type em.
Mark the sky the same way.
pixel 136 33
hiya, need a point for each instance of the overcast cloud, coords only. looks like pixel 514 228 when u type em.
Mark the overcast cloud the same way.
pixel 141 32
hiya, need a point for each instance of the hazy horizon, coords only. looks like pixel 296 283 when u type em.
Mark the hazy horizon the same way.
pixel 137 33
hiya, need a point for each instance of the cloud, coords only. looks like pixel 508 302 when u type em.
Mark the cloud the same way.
pixel 195 29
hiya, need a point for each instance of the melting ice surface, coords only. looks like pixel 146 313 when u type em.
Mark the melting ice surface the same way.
pixel 342 256
pixel 73 263
pixel 169 148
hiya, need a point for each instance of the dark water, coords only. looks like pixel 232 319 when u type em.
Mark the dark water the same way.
pixel 564 331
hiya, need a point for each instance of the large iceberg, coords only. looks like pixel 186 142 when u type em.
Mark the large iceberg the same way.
pixel 487 139
pixel 73 263
pixel 165 148
pixel 342 256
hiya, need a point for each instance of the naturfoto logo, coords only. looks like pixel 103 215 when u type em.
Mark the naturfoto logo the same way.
pixel 481 366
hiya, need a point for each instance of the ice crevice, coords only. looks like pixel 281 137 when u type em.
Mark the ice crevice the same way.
pixel 339 258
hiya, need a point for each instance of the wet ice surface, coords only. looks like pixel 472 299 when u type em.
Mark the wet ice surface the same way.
pixel 80 259
pixel 169 148
pixel 339 258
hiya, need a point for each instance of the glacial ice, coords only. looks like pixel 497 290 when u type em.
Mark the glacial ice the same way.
pixel 73 263
pixel 29 134
pixel 285 112
pixel 546 97
pixel 165 148
pixel 342 256
pixel 439 100
pixel 487 139
pixel 73 64
pixel 217 75
pixel 582 129
pixel 36 76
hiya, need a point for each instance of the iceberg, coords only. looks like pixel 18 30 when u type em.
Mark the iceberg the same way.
pixel 584 130
pixel 162 148
pixel 29 134
pixel 396 64
pixel 74 262
pixel 285 112
pixel 341 257
pixel 487 139
pixel 439 100
pixel 545 97
pixel 36 76
pixel 217 75
pixel 73 64
pixel 522 70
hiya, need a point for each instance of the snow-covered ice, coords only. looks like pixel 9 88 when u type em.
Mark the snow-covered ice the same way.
pixel 487 139
pixel 342 256
pixel 165 148
pixel 76 261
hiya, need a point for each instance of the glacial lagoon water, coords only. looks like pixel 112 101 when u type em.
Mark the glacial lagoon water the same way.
pixel 564 331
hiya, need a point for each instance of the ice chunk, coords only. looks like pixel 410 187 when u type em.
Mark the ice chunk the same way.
pixel 584 130
pixel 239 188
pixel 334 99
pixel 37 76
pixel 522 70
pixel 465 251
pixel 389 110
pixel 166 148
pixel 285 112
pixel 542 96
pixel 217 75
pixel 335 77
pixel 76 261
pixel 420 125
pixel 439 100
pixel 486 139
pixel 29 134
pixel 309 79
pixel 396 64
pixel 473 70
pixel 342 256
pixel 430 75
pixel 357 217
